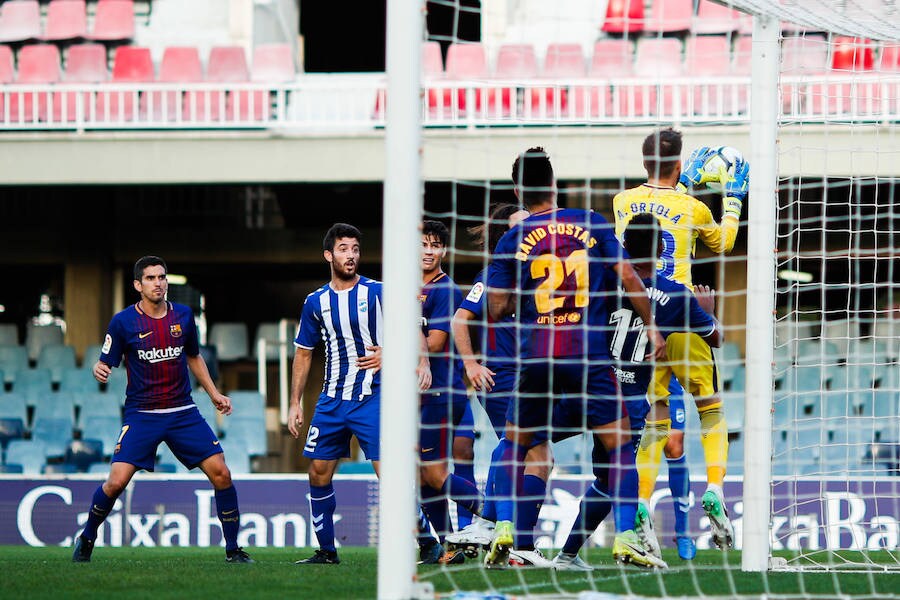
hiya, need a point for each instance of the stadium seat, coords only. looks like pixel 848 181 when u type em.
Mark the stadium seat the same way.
pixel 38 65
pixel 11 429
pixel 670 15
pixel 83 453
pixel 728 359
pixel 624 16
pixel 30 454
pixel 179 65
pixel 38 336
pixel 91 354
pixel 209 412
pixel 132 64
pixel 802 57
pixel 514 62
pixel 55 432
pixel 839 333
pixel 566 62
pixel 13 359
pixel 78 381
pixel 230 340
pixel 464 62
pixel 105 429
pixel 247 404
pixel 54 405
pixel 709 57
pixel 250 431
pixel 13 406
pixel 7 72
pixel 85 63
pixel 889 58
pixel 611 58
pixel 33 383
pixel 236 456
pixel 117 384
pixel 165 459
pixel 211 358
pixel 113 21
pixel 227 64
pixel 849 57
pixel 9 334
pixel 12 469
pixel 56 358
pixel 20 20
pixel 268 332
pixel 59 469
pixel 272 63
pixel 98 405
pixel 656 60
pixel 66 20
pixel 99 467
pixel 715 18
pixel 885 404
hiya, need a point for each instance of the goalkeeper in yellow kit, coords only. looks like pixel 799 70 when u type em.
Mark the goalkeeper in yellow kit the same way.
pixel 684 219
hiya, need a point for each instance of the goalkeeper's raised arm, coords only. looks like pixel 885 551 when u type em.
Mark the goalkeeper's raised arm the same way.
pixel 682 217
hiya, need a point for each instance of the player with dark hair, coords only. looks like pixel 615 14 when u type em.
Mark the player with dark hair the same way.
pixel 676 310
pixel 159 342
pixel 683 220
pixel 549 270
pixel 443 405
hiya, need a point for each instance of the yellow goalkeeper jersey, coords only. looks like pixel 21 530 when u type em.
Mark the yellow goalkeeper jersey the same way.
pixel 683 219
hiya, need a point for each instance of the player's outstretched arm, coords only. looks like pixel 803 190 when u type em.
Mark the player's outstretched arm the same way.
pixel 299 376
pixel 101 371
pixel 479 375
pixel 198 367
pixel 637 294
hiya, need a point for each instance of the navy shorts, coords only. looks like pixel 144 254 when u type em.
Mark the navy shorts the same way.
pixel 591 390
pixel 186 433
pixel 466 427
pixel 440 417
pixel 336 420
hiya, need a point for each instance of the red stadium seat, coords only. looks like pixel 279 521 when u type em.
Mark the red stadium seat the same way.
pixel 227 64
pixel 66 20
pixel 802 56
pixel 179 65
pixel 7 74
pixel 657 59
pixel 38 64
pixel 432 69
pixel 670 15
pixel 612 58
pixel 272 63
pixel 132 64
pixel 716 18
pixel 465 61
pixel 708 57
pixel 889 59
pixel 517 62
pixel 85 63
pixel 20 20
pixel 563 61
pixel 852 55
pixel 114 20
pixel 624 16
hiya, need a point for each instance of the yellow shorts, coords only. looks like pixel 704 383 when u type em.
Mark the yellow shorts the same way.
pixel 691 360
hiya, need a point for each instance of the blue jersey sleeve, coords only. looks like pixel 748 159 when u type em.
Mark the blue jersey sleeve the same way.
pixel 191 339
pixel 308 333
pixel 113 343
pixel 474 300
pixel 702 323
pixel 502 270
pixel 605 234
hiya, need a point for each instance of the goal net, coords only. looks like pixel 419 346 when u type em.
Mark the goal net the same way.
pixel 808 373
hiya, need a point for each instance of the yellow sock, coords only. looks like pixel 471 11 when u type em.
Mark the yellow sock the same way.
pixel 649 453
pixel 714 436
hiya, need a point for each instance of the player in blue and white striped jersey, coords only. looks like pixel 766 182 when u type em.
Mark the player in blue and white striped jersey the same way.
pixel 346 314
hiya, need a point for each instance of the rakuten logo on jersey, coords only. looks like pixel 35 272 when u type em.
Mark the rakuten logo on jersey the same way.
pixel 156 355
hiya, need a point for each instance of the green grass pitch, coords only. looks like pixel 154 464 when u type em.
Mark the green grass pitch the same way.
pixel 200 573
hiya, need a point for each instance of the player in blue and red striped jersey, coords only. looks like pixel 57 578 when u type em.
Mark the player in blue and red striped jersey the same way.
pixel 549 271
pixel 443 405
pixel 159 342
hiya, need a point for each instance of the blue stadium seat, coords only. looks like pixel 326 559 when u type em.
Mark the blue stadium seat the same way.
pixel 734 408
pixel 250 431
pixel 9 334
pixel 13 406
pixel 78 381
pixel 56 358
pixel 836 404
pixel 164 456
pixel 785 409
pixel 54 405
pixel 55 432
pixel 884 404
pixel 116 385
pixel 236 456
pixel 728 359
pixel 166 468
pixel 12 469
pixel 268 332
pixel 105 429
pixel 247 404
pixel 58 469
pixel 83 453
pixel 91 354
pixel 11 428
pixel 351 467
pixel 99 405
pixel 38 336
pixel 12 360
pixel 230 340
pixel 33 383
pixel 31 454
pixel 209 412
pixel 98 467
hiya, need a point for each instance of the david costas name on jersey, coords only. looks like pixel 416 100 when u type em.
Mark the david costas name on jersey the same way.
pixel 537 234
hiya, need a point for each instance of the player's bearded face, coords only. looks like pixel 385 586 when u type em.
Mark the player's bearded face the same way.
pixel 153 285
pixel 344 258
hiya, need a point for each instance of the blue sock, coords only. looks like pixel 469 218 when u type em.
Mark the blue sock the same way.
pixel 489 511
pixel 463 492
pixel 101 504
pixel 680 485
pixel 528 507
pixel 434 504
pixel 465 471
pixel 423 536
pixel 623 482
pixel 594 507
pixel 229 516
pixel 321 505
pixel 510 470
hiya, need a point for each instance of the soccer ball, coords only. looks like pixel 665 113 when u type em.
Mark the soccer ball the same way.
pixel 719 168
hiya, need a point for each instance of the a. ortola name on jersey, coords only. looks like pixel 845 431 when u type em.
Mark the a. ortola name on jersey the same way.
pixel 155 355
